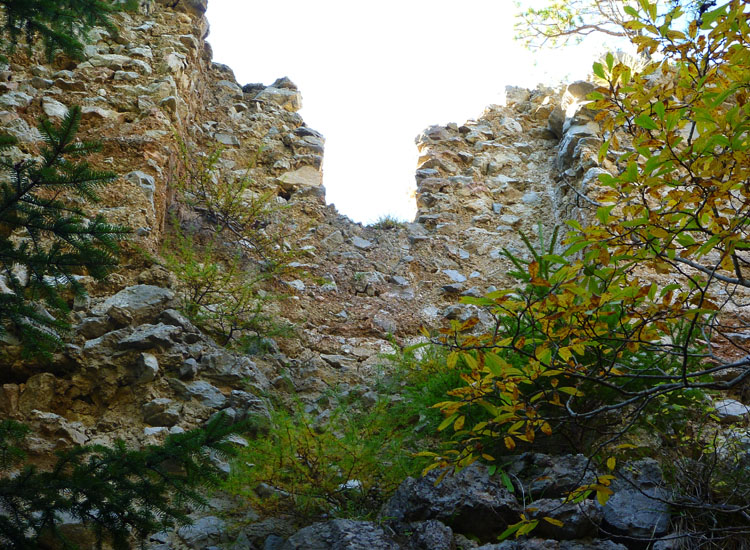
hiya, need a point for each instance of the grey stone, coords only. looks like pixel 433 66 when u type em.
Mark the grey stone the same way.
pixel 141 301
pixel 145 182
pixel 334 240
pixel 730 410
pixel 93 327
pixel 126 76
pixel 53 108
pixel 431 535
pixel 148 336
pixel 208 395
pixel 362 244
pixel 579 520
pixel 552 476
pixel 454 275
pixel 290 100
pixel 580 89
pixel 469 502
pixel 228 368
pixel 338 361
pixel 204 532
pixel 385 322
pixel 147 368
pixel 227 139
pixel 161 412
pixel 341 534
pixel 636 508
pixel 189 369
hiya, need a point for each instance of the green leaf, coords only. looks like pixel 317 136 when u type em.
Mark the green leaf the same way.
pixel 659 109
pixel 599 71
pixel 645 121
pixel 630 10
pixel 447 422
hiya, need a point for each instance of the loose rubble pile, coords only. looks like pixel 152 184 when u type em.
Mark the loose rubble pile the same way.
pixel 136 369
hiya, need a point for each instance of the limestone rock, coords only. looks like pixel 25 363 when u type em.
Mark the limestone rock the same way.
pixel 730 410
pixel 288 99
pixel 637 507
pixel 141 301
pixel 341 534
pixel 469 502
pixel 204 533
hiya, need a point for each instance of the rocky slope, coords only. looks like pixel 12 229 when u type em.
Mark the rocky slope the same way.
pixel 136 369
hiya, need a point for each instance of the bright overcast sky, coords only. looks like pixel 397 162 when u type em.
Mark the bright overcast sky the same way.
pixel 373 75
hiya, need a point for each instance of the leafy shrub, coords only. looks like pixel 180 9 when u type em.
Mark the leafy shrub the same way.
pixel 344 463
pixel 228 265
pixel 222 295
pixel 623 322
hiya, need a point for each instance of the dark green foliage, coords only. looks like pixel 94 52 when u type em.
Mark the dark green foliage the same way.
pixel 57 23
pixel 118 493
pixel 46 239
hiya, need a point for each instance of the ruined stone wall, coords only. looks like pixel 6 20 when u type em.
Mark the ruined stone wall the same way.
pixel 153 89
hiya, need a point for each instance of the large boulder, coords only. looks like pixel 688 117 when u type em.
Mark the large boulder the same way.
pixel 341 534
pixel 638 508
pixel 471 502
pixel 141 302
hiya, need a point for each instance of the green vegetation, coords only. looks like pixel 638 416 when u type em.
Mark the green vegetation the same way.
pixel 57 23
pixel 348 460
pixel 228 264
pixel 620 326
pixel 46 238
pixel 119 494
pixel 388 222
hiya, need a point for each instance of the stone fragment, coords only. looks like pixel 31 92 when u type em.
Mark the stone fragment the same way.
pixel 579 520
pixel 204 533
pixel 343 534
pixel 469 502
pixel 385 322
pixel 306 176
pixel 53 108
pixel 552 476
pixel 148 336
pixel 145 181
pixel 227 368
pixel 227 139
pixel 637 507
pixel 362 244
pixel 431 535
pixel 161 412
pixel 205 393
pixel 288 99
pixel 147 368
pixel 143 302
pixel 730 410
pixel 338 361
pixel 454 275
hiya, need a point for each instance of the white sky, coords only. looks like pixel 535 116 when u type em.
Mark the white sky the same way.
pixel 373 75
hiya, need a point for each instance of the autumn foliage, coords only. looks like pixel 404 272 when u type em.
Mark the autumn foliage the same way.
pixel 627 314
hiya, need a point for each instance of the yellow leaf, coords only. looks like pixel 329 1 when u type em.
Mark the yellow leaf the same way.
pixel 459 423
pixel 603 496
pixel 565 354
pixel 611 462
pixel 509 443
pixel 553 521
